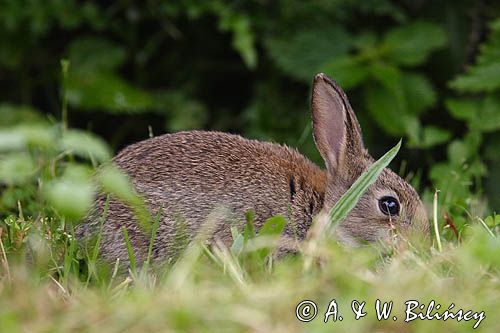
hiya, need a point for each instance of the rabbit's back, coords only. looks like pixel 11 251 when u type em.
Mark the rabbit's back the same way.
pixel 194 176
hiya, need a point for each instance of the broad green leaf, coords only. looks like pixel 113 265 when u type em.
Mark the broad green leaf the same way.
pixel 485 74
pixel 392 116
pixel 432 136
pixel 24 136
pixel 462 109
pixel 349 199
pixel 346 70
pixel 481 115
pixel 273 226
pixel 303 54
pixel 488 119
pixel 94 53
pixel 479 78
pixel 243 37
pixel 419 93
pixel 105 91
pixel 16 168
pixel 85 145
pixel 12 115
pixel 117 183
pixel 71 198
pixel 411 44
pixel 12 140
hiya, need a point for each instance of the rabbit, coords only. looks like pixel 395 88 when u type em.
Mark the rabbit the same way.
pixel 199 175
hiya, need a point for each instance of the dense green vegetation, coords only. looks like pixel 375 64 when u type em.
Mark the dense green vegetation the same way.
pixel 80 80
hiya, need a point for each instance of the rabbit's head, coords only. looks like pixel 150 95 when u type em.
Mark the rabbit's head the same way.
pixel 390 204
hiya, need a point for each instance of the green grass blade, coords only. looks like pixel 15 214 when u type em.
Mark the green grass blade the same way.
pixel 153 236
pixel 347 202
pixel 131 257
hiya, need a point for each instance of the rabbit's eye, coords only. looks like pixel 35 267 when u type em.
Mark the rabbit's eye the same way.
pixel 389 206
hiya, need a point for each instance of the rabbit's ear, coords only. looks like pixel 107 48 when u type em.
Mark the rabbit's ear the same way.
pixel 336 130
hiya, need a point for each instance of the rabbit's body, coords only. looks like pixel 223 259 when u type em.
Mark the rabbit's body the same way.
pixel 194 177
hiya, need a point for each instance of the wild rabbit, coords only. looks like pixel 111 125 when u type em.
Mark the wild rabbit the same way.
pixel 193 174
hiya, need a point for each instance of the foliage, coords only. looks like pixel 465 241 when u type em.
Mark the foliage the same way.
pixel 425 72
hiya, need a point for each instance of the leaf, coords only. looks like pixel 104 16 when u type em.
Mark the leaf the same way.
pixel 16 168
pixel 85 145
pixel 11 140
pixel 346 70
pixel 105 91
pixel 243 37
pixel 118 183
pixel 94 53
pixel 387 112
pixel 273 226
pixel 17 114
pixel 481 115
pixel 432 136
pixel 419 93
pixel 478 78
pixel 485 74
pixel 71 198
pixel 411 44
pixel 462 109
pixel 488 119
pixel 303 54
pixel 350 198
pixel 24 136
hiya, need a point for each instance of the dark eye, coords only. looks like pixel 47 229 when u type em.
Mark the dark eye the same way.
pixel 389 206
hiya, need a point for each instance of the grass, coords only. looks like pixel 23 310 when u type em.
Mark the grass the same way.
pixel 216 291
pixel 49 284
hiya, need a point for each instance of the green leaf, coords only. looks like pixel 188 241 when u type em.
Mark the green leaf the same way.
pixel 118 183
pixel 105 91
pixel 346 70
pixel 17 114
pixel 273 226
pixel 479 78
pixel 24 136
pixel 485 74
pixel 392 116
pixel 432 136
pixel 303 54
pixel 85 145
pixel 243 37
pixel 16 168
pixel 94 53
pixel 462 109
pixel 488 119
pixel 481 115
pixel 71 198
pixel 419 93
pixel 411 44
pixel 11 140
pixel 349 199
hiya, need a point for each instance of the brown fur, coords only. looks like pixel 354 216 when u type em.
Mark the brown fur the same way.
pixel 195 176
